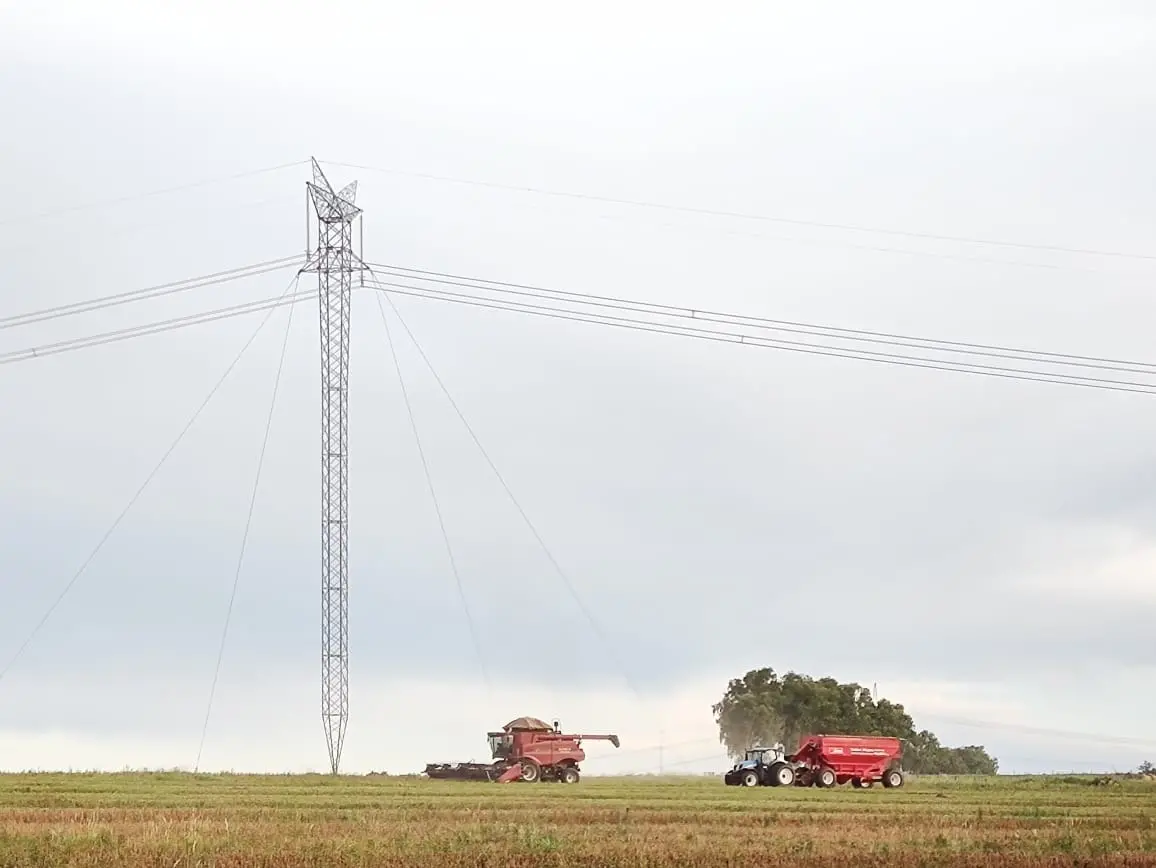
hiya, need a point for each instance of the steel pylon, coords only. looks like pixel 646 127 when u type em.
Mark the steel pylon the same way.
pixel 335 262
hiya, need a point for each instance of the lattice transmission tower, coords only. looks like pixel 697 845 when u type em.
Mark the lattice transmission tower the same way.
pixel 335 262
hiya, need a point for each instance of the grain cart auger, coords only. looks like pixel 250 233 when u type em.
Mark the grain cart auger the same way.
pixel 526 749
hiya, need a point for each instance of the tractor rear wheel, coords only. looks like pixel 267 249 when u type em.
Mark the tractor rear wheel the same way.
pixel 826 778
pixel 569 775
pixel 750 778
pixel 782 775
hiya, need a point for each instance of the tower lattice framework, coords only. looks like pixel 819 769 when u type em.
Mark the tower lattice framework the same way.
pixel 335 262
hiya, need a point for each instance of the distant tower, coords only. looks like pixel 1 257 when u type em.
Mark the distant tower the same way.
pixel 334 261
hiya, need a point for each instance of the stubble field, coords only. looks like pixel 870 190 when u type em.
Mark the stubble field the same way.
pixel 175 820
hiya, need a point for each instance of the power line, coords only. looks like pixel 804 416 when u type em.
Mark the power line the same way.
pixel 643 325
pixel 874 248
pixel 437 506
pixel 154 328
pixel 1120 740
pixel 149 292
pixel 789 326
pixel 898 359
pixel 103 203
pixel 245 534
pixel 784 344
pixel 569 585
pixel 156 469
pixel 712 212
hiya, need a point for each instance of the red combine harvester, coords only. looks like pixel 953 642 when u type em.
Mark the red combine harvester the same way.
pixel 823 761
pixel 527 749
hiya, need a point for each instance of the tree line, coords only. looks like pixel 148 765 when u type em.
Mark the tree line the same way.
pixel 762 709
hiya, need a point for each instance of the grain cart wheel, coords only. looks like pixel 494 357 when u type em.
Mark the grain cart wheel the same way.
pixel 569 775
pixel 892 778
pixel 826 778
pixel 750 778
pixel 860 784
pixel 782 775
pixel 530 771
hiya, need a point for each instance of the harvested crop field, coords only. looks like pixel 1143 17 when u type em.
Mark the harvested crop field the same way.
pixel 181 820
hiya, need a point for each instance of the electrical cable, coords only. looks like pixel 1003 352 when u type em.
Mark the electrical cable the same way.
pixel 569 585
pixel 790 326
pixel 437 506
pixel 897 359
pixel 690 331
pixel 698 229
pixel 156 469
pixel 634 751
pixel 150 292
pixel 541 293
pixel 1120 740
pixel 154 328
pixel 153 224
pixel 245 535
pixel 846 227
pixel 103 203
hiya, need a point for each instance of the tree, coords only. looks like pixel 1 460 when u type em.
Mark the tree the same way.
pixel 748 714
pixel 763 709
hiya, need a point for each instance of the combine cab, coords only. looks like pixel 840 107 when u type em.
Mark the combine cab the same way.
pixel 526 749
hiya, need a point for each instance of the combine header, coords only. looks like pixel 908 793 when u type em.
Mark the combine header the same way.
pixel 526 749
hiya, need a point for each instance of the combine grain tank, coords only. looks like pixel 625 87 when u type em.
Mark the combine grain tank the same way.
pixel 827 760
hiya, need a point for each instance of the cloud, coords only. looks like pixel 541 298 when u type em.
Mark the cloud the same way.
pixel 713 508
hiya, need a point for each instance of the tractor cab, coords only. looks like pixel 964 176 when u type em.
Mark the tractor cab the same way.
pixel 760 756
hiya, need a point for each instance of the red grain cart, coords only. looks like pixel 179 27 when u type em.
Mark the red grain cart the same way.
pixel 827 760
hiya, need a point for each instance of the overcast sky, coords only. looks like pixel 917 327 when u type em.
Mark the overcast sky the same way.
pixel 982 549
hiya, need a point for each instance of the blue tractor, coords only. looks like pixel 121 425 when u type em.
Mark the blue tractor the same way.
pixel 762 767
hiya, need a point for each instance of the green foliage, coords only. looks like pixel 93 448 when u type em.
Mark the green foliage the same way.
pixel 762 709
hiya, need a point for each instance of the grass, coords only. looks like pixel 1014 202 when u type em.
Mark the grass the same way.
pixel 176 820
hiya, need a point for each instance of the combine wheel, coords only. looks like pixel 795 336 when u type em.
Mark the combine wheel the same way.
pixel 892 778
pixel 531 772
pixel 750 778
pixel 826 778
pixel 569 775
pixel 782 775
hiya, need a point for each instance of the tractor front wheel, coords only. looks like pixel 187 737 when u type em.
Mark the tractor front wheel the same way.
pixel 750 778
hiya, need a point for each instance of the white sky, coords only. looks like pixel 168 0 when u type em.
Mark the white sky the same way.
pixel 982 549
